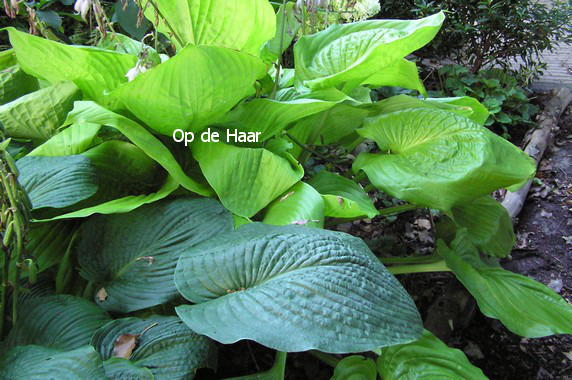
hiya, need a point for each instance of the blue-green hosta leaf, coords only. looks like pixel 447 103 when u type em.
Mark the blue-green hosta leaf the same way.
pixel 272 116
pixel 402 73
pixel 237 24
pixel 166 346
pixel 95 71
pixel 62 322
pixel 57 182
pixel 293 288
pixel 14 82
pixel 299 205
pixel 427 358
pixel 464 106
pixel 355 367
pixel 123 369
pixel 38 115
pixel 285 33
pixel 440 160
pixel 488 225
pixel 354 52
pixel 526 307
pixel 36 363
pixel 191 89
pixel 134 260
pixel 92 113
pixel 73 140
pixel 246 179
pixel 343 197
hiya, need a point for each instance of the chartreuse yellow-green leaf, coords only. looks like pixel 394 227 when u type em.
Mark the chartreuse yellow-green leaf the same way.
pixel 237 24
pixel 272 116
pixel 300 205
pixel 437 159
pixel 355 367
pixel 166 347
pixel 134 260
pixel 343 197
pixel 36 362
pixel 38 115
pixel 192 89
pixel 75 139
pixel 293 288
pixel 463 105
pixel 14 82
pixel 426 358
pixel 526 307
pixel 95 71
pixel 402 73
pixel 489 227
pixel 352 53
pixel 246 179
pixel 93 113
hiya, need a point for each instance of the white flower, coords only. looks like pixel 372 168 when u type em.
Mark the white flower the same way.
pixel 134 72
pixel 82 7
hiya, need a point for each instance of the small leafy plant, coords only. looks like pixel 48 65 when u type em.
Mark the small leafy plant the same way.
pixel 150 252
pixel 497 90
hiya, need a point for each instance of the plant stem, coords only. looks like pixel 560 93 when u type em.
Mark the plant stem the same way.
pixel 326 358
pixel 280 363
pixel 281 45
pixel 439 266
pixel 315 134
pixel 5 272
pixel 410 259
pixel 305 147
pixel 369 188
pixel 179 40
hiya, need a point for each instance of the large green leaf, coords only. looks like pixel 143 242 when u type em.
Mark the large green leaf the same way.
pixel 14 82
pixel 122 369
pixel 38 115
pixel 440 160
pixel 464 106
pixel 354 52
pixel 526 307
pixel 62 322
pixel 165 345
pixel 40 363
pixel 489 227
pixel 237 24
pixel 93 113
pixel 7 59
pixel 57 182
pixel 427 358
pixel 293 288
pixel 134 260
pixel 343 197
pixel 271 116
pixel 192 89
pixel 402 73
pixel 355 367
pixel 246 179
pixel 95 71
pixel 299 205
pixel 73 140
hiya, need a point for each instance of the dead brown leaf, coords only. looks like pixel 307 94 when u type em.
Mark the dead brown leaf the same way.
pixel 124 345
pixel 102 295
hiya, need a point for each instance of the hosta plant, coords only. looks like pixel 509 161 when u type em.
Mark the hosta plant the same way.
pixel 144 254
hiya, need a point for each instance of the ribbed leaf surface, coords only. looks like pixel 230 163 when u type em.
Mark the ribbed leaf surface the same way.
pixel 38 115
pixel 437 159
pixel 294 289
pixel 40 363
pixel 192 89
pixel 133 256
pixel 301 205
pixel 166 346
pixel 14 82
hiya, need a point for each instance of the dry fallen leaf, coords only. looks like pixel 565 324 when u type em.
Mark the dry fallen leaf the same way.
pixel 102 295
pixel 124 345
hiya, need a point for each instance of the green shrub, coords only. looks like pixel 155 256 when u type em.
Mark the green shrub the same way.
pixel 491 32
